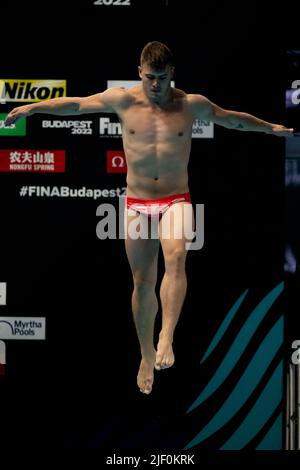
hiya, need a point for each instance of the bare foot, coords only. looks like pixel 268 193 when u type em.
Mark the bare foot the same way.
pixel 164 356
pixel 146 375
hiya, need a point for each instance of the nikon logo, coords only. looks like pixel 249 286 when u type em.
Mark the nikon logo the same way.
pixel 31 90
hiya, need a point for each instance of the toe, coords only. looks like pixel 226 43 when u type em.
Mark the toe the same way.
pixel 146 390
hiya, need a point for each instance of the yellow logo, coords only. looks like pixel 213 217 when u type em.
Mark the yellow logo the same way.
pixel 31 90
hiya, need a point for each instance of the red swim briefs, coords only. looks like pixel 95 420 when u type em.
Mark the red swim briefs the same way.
pixel 152 207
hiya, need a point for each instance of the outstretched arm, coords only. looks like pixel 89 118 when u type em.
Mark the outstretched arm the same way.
pixel 205 109
pixel 106 102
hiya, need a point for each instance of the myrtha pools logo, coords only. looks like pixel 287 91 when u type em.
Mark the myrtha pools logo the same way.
pixel 22 328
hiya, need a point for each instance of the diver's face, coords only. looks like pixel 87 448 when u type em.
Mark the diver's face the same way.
pixel 156 83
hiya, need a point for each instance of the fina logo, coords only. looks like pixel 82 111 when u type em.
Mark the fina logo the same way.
pixel 22 328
